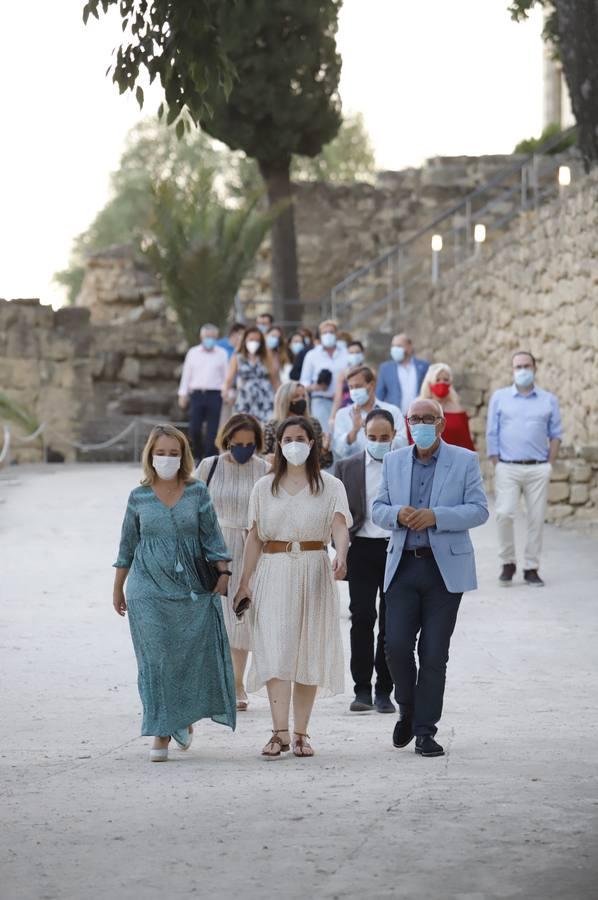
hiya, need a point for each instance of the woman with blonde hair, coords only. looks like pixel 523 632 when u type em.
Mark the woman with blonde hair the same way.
pixel 230 478
pixel 438 385
pixel 252 372
pixel 175 562
pixel 292 399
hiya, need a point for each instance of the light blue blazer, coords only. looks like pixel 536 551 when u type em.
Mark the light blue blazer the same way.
pixel 458 501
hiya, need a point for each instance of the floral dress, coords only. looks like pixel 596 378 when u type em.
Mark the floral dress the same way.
pixel 255 394
pixel 178 632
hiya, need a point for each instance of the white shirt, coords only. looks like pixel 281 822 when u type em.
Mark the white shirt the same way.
pixel 373 479
pixel 343 424
pixel 203 370
pixel 408 381
pixel 317 359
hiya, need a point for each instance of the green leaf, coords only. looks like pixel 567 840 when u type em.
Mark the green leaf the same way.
pixel 180 129
pixel 139 96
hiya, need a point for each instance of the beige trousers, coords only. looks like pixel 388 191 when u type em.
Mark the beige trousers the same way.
pixel 510 482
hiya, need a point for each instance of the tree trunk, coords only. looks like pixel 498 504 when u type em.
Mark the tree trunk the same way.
pixel 286 307
pixel 577 24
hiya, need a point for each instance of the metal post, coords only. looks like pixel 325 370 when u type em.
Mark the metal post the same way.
pixel 333 303
pixel 435 266
pixel 467 225
pixel 524 187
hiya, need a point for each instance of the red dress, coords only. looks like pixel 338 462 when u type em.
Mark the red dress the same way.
pixel 456 431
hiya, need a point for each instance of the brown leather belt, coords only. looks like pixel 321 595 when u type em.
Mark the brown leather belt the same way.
pixel 292 546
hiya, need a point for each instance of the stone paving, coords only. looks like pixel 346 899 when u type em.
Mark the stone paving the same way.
pixel 510 812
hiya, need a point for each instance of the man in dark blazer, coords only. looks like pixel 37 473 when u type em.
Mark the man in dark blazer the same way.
pixel 400 378
pixel 361 475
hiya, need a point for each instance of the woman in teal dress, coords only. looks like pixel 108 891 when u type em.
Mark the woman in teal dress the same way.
pixel 178 632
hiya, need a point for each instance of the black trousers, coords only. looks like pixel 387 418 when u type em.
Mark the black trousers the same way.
pixel 204 409
pixel 366 562
pixel 418 602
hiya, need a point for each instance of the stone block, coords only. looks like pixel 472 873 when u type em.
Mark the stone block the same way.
pixel 558 491
pixel 155 304
pixel 590 454
pixel 471 397
pixel 581 472
pixel 130 371
pixel 579 494
pixel 560 472
pixel 558 511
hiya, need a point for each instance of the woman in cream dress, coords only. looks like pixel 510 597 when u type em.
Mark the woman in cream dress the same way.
pixel 231 478
pixel 297 646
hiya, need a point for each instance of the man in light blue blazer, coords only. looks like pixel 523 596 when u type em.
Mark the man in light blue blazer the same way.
pixel 430 495
pixel 400 378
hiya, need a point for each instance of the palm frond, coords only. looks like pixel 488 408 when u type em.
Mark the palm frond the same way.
pixel 11 411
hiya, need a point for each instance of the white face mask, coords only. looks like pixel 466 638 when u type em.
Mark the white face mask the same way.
pixel 296 452
pixel 252 347
pixel 166 466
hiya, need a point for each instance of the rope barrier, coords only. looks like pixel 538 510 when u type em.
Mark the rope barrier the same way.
pixel 5 444
pixel 31 437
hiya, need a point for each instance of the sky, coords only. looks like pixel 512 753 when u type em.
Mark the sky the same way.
pixel 431 77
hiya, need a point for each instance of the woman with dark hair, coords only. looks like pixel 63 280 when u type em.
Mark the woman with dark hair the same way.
pixel 250 369
pixel 230 478
pixel 297 646
pixel 169 534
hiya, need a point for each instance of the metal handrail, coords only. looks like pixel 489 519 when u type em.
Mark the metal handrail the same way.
pixel 526 183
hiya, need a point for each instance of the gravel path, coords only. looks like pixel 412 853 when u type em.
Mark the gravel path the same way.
pixel 510 812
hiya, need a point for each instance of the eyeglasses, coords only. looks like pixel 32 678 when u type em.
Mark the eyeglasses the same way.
pixel 422 420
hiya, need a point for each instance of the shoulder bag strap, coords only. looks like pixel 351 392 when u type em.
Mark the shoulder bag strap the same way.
pixel 212 470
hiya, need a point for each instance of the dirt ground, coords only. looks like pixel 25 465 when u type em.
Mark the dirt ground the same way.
pixel 510 812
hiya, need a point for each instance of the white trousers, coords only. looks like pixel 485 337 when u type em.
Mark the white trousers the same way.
pixel 510 482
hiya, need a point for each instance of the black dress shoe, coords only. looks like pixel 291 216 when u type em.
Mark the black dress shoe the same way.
pixel 383 704
pixel 425 745
pixel 403 733
pixel 362 703
pixel 530 576
pixel 505 578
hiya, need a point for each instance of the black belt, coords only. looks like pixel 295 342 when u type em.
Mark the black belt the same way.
pixel 363 537
pixel 420 553
pixel 524 462
pixel 205 391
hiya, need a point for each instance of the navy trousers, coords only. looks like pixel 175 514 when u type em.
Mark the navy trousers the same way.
pixel 204 409
pixel 418 603
pixel 366 562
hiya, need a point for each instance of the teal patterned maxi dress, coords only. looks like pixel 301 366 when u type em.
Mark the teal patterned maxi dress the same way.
pixel 183 656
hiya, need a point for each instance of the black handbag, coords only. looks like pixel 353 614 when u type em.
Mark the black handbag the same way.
pixel 207 571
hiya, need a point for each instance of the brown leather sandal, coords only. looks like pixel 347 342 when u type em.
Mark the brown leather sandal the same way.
pixel 279 746
pixel 301 745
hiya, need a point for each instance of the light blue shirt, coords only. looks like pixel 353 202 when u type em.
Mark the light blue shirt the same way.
pixel 520 426
pixel 422 478
pixel 343 424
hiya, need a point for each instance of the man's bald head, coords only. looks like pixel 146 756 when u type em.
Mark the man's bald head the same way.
pixel 426 407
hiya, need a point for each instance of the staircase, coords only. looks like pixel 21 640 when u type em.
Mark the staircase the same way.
pixel 381 296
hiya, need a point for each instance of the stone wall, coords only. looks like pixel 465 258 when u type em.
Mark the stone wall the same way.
pixel 536 291
pixel 342 227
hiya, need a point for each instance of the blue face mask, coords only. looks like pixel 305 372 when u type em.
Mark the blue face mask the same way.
pixel 242 454
pixel 272 342
pixel 208 343
pixel 355 359
pixel 378 449
pixel 263 328
pixel 297 347
pixel 524 377
pixel 359 396
pixel 398 354
pixel 423 435
pixel 342 345
pixel 328 340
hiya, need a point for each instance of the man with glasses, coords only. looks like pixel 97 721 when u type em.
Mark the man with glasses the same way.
pixel 430 496
pixel 523 437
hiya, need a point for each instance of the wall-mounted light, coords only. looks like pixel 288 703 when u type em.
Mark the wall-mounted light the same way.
pixel 436 248
pixel 479 234
pixel 564 176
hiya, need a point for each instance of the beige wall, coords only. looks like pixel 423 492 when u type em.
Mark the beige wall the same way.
pixel 538 291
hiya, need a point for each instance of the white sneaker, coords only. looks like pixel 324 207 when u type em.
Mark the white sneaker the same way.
pixel 160 755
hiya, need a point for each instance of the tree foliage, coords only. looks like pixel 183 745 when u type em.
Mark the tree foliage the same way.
pixel 572 27
pixel 532 145
pixel 282 100
pixel 202 250
pixel 349 157
pixel 177 42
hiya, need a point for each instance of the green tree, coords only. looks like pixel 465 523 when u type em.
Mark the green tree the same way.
pixel 283 99
pixel 178 43
pixel 202 250
pixel 572 27
pixel 349 157
pixel 532 145
pixel 283 102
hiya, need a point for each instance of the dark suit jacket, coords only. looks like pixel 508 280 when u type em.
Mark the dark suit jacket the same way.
pixel 351 471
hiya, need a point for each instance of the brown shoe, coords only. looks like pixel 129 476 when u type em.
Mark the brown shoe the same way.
pixel 276 746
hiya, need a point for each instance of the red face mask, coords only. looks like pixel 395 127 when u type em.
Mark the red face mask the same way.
pixel 440 389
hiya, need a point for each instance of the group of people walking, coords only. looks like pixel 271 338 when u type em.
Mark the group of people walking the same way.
pixel 230 557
